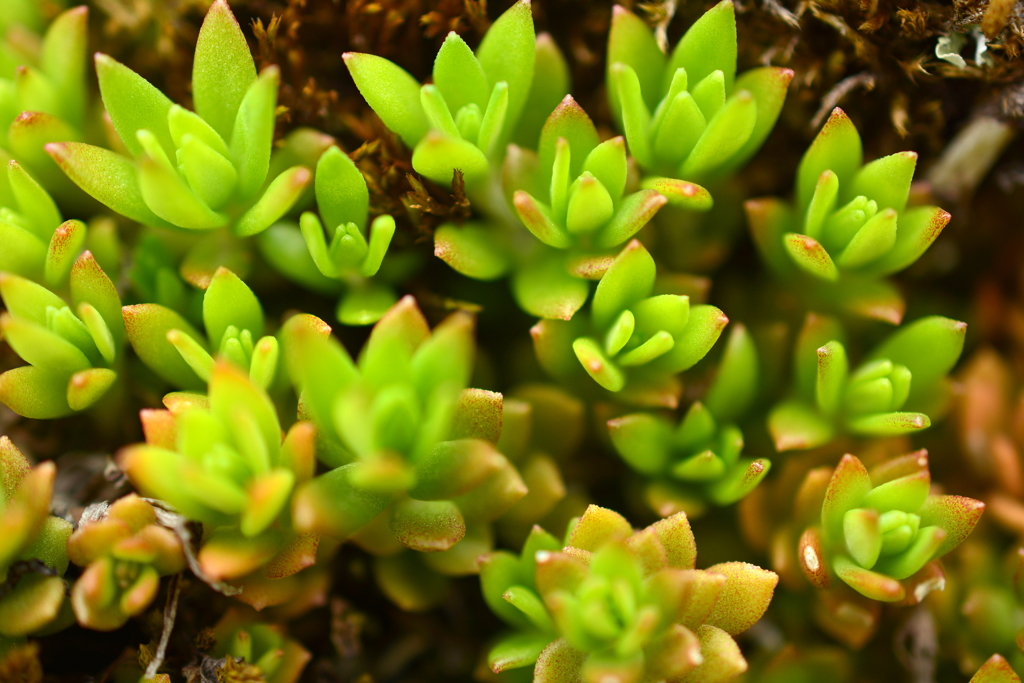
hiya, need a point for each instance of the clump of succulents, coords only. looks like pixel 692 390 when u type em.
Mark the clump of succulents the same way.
pixel 633 341
pixel 697 461
pixel 199 170
pixel 124 555
pixel 907 371
pixel 881 528
pixel 850 225
pixel 33 554
pixel 687 115
pixel 614 603
pixel 427 457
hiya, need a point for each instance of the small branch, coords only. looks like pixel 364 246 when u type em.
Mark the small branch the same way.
pixel 837 93
pixel 668 7
pixel 170 614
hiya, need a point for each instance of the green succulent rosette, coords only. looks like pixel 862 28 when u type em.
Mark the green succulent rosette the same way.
pixel 72 347
pixel 571 193
pixel 124 555
pixel 349 254
pixel 687 115
pixel 849 227
pixel 892 392
pixel 198 171
pixel 33 556
pixel 612 603
pixel 697 462
pixel 880 529
pixel 222 461
pixel 241 637
pixel 410 451
pixel 633 342
pixel 465 117
pixel 170 346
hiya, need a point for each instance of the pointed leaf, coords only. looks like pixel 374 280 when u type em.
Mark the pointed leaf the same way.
pixel 253 132
pixel 107 176
pixel 133 104
pixel 506 53
pixel 147 326
pixel 836 148
pixel 223 69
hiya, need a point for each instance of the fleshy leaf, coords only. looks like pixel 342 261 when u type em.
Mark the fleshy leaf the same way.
pixel 223 69
pixel 392 93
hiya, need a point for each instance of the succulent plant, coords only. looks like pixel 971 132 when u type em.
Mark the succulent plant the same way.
pixel 571 195
pixel 907 371
pixel 222 461
pixel 38 243
pixel 33 555
pixel 198 170
pixel 429 480
pixel 464 118
pixel 124 555
pixel 233 317
pixel 619 604
pixel 241 637
pixel 354 253
pixel 73 354
pixel 696 462
pixel 687 115
pixel 850 225
pixel 635 341
pixel 881 528
pixel 43 90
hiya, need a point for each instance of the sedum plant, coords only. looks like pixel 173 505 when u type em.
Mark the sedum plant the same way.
pixel 982 611
pixel 687 115
pixel 697 462
pixel 623 605
pixel 124 555
pixel 224 462
pixel 233 318
pixel 73 351
pixel 571 195
pixel 351 252
pixel 410 449
pixel 265 647
pixel 38 243
pixel 33 555
pixel 464 118
pixel 906 371
pixel 850 225
pixel 199 170
pixel 880 528
pixel 633 341
pixel 43 90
